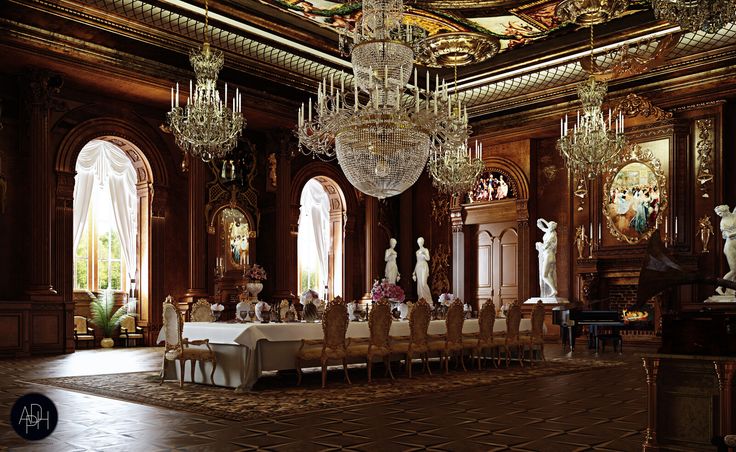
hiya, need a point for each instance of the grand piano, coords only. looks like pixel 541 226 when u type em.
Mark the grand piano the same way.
pixel 571 322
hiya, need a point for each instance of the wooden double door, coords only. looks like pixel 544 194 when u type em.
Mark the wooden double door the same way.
pixel 498 263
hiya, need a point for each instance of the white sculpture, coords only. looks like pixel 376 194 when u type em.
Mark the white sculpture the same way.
pixel 547 249
pixel 392 270
pixel 728 230
pixel 421 272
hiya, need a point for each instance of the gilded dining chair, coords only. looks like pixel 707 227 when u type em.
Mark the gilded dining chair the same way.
pixel 177 348
pixel 535 337
pixel 201 311
pixel 452 341
pixel 485 338
pixel 332 347
pixel 378 345
pixel 416 343
pixel 513 323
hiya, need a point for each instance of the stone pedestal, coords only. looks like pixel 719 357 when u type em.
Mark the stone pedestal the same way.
pixel 721 299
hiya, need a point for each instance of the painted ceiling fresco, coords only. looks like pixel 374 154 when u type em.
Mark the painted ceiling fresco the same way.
pixel 513 26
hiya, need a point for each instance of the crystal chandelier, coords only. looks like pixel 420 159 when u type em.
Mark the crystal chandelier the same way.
pixel 382 145
pixel 206 127
pixel 593 144
pixel 692 15
pixel 456 171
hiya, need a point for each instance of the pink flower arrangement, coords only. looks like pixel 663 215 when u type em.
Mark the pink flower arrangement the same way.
pixel 256 273
pixel 385 289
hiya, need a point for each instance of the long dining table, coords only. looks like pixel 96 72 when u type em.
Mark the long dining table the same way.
pixel 245 350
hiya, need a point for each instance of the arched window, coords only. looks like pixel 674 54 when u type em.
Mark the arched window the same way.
pixel 105 218
pixel 320 238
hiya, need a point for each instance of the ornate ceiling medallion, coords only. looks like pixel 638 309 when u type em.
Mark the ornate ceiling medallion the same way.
pixel 457 49
pixel 590 12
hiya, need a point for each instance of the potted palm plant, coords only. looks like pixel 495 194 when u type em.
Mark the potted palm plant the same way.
pixel 104 318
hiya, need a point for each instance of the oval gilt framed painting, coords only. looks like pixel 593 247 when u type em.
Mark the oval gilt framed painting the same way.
pixel 635 196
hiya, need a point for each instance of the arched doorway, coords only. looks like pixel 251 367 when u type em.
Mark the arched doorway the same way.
pixel 320 244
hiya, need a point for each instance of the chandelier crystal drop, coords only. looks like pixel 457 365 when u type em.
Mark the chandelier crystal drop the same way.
pixel 693 15
pixel 457 171
pixel 593 144
pixel 206 127
pixel 383 142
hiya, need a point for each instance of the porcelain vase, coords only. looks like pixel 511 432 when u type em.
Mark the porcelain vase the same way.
pixel 254 288
pixel 107 342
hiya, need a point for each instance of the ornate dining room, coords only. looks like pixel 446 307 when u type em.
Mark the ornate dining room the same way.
pixel 363 225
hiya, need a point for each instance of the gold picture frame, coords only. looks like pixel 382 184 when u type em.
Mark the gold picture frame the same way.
pixel 635 196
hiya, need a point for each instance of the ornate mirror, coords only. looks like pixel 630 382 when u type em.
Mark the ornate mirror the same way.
pixel 635 196
pixel 235 232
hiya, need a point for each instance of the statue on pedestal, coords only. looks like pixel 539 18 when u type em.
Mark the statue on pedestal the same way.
pixel 392 270
pixel 728 231
pixel 421 272
pixel 547 249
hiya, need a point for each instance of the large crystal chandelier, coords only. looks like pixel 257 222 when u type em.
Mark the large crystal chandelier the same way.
pixel 593 144
pixel 692 15
pixel 381 144
pixel 206 127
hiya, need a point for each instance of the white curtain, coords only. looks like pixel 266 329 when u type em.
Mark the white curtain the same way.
pixel 314 227
pixel 105 164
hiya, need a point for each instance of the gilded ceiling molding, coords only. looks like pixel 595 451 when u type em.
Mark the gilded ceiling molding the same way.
pixel 638 105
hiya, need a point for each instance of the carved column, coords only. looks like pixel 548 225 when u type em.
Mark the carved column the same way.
pixel 725 372
pixel 458 253
pixel 407 244
pixel 197 234
pixel 651 367
pixel 64 252
pixel 371 244
pixel 524 253
pixel 39 89
pixel 287 219
pixel 156 267
pixel 351 256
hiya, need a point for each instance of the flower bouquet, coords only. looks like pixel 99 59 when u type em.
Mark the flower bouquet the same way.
pixel 256 273
pixel 217 309
pixel 385 289
pixel 446 299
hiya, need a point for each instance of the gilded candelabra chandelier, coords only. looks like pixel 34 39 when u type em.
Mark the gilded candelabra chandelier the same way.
pixel 456 171
pixel 381 144
pixel 206 127
pixel 590 12
pixel 593 143
pixel 692 15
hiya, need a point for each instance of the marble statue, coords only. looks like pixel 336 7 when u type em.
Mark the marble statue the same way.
pixel 392 270
pixel 728 230
pixel 547 249
pixel 421 272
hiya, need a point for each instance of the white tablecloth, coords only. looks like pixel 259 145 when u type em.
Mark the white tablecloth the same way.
pixel 245 350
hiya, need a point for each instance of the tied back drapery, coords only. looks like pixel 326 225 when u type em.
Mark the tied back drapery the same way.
pixel 314 222
pixel 107 165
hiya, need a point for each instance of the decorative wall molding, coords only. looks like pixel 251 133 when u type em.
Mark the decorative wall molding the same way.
pixel 637 105
pixel 704 145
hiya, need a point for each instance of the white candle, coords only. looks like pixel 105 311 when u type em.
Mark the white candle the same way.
pixel 310 110
pixel 225 92
pixel 356 98
pixel 600 233
pixel 675 226
pixel 591 230
pixel 172 98
pixel 665 226
pixel 177 94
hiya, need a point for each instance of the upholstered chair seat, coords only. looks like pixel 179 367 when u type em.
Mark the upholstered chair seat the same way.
pixel 83 333
pixel 129 330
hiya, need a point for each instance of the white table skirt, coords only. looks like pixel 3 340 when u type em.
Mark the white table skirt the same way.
pixel 245 350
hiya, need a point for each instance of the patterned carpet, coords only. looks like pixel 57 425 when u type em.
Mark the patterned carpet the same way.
pixel 277 394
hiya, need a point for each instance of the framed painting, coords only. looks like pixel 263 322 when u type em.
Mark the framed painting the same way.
pixel 635 195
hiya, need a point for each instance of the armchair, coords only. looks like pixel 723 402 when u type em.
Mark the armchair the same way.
pixel 129 330
pixel 83 333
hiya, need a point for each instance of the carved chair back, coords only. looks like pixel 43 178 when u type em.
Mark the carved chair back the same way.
pixel 379 323
pixel 335 325
pixel 201 311
pixel 419 322
pixel 128 323
pixel 80 324
pixel 172 324
pixel 538 321
pixel 486 320
pixel 454 322
pixel 513 322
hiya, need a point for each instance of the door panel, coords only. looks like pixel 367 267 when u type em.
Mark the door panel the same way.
pixel 498 263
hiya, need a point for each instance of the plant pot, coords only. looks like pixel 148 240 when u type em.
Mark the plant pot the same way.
pixel 107 342
pixel 254 288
